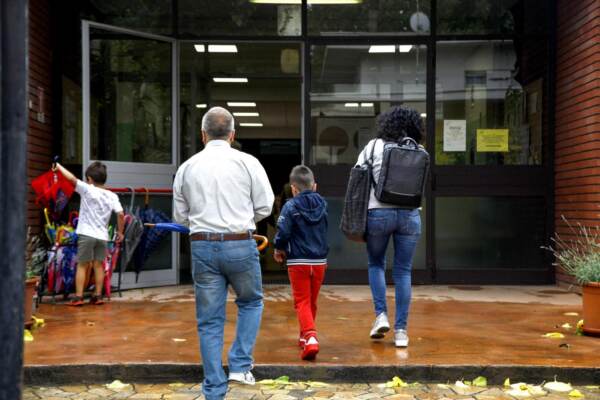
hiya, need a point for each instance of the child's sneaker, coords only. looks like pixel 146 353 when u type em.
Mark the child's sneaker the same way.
pixel 245 378
pixel 380 326
pixel 76 302
pixel 96 301
pixel 311 348
pixel 400 338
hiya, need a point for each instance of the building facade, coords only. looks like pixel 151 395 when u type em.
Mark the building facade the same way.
pixel 508 91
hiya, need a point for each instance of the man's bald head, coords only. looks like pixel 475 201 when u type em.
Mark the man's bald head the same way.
pixel 217 123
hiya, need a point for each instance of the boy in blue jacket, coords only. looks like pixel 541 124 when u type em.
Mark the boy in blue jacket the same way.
pixel 301 239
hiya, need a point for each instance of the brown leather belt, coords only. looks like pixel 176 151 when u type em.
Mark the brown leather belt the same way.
pixel 220 237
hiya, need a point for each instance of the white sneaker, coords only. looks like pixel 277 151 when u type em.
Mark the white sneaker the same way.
pixel 245 378
pixel 400 338
pixel 380 326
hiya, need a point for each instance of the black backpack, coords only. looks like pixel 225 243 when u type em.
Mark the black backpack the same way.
pixel 403 174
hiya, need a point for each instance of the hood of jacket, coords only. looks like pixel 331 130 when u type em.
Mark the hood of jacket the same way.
pixel 310 206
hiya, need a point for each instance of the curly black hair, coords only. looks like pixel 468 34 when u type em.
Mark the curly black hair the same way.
pixel 399 122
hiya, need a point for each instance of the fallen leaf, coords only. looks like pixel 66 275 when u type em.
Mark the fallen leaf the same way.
pixel 556 386
pixel 27 336
pixel 579 330
pixel 554 335
pixel 536 390
pixel 343 318
pixel 179 340
pixel 507 382
pixel 571 314
pixel 176 385
pixel 317 384
pixel 37 322
pixel 396 382
pixel 566 326
pixel 592 387
pixel 116 385
pixel 575 393
pixel 480 381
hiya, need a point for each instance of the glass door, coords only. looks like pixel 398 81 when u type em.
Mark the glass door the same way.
pixel 130 124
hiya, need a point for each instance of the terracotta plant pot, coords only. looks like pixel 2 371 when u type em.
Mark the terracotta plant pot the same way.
pixel 30 286
pixel 591 309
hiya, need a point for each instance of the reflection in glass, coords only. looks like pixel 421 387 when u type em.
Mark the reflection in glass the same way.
pixel 130 98
pixel 350 86
pixel 489 232
pixel 402 17
pixel 481 86
pixel 238 17
pixel 154 16
pixel 492 16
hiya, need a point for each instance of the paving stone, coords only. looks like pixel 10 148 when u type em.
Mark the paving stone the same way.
pixel 281 396
pixel 180 396
pixel 123 395
pixel 400 396
pixel 147 396
pixel 101 392
pixel 74 389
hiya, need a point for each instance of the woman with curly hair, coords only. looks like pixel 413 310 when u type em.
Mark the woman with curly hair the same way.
pixel 387 221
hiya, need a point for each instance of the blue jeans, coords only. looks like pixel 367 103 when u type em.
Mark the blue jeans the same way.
pixel 215 265
pixel 405 228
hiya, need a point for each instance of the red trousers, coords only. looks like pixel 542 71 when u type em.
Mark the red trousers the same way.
pixel 306 282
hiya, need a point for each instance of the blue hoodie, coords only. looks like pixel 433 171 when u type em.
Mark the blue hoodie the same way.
pixel 302 230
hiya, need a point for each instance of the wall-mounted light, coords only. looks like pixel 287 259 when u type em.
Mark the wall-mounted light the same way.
pixel 252 124
pixel 230 80
pixel 201 105
pixel 404 48
pixel 216 48
pixel 200 48
pixel 366 104
pixel 351 105
pixel 423 115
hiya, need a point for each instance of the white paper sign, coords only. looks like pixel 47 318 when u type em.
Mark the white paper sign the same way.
pixel 455 135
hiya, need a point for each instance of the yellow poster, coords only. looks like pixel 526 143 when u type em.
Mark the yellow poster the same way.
pixel 492 140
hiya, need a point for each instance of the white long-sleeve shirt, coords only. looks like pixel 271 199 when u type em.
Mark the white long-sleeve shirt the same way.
pixel 221 190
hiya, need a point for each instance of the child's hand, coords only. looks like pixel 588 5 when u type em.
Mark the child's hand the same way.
pixel 119 237
pixel 279 256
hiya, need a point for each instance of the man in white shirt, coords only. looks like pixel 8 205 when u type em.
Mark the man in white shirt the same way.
pixel 220 193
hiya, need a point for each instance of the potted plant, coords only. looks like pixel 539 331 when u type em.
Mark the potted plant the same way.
pixel 580 257
pixel 35 259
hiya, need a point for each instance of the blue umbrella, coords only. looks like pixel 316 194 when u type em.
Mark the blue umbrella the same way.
pixel 169 226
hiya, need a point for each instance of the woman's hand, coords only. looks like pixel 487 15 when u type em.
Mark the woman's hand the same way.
pixel 279 256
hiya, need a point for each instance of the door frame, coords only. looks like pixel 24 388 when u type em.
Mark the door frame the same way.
pixel 129 173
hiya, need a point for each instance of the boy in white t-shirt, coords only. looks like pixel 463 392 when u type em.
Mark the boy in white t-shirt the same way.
pixel 97 206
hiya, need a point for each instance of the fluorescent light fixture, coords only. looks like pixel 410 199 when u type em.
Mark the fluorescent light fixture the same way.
pixel 200 105
pixel 231 80
pixel 252 124
pixel 199 48
pixel 424 115
pixel 403 48
pixel 245 114
pixel 222 48
pixel 351 105
pixel 382 48
pixel 309 1
pixel 241 104
pixel 366 104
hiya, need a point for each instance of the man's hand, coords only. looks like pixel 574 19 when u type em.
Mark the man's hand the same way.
pixel 279 256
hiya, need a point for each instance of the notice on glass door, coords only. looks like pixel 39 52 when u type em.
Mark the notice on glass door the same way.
pixel 455 135
pixel 492 140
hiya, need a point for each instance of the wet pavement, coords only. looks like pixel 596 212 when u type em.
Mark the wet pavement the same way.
pixel 306 391
pixel 447 326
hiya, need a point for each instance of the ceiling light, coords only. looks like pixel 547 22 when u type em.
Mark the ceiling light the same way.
pixel 403 48
pixel 309 1
pixel 222 48
pixel 241 104
pixel 252 124
pixel 199 48
pixel 366 104
pixel 200 105
pixel 424 115
pixel 231 80
pixel 245 114
pixel 351 105
pixel 382 49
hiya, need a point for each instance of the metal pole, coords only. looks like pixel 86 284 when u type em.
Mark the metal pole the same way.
pixel 13 184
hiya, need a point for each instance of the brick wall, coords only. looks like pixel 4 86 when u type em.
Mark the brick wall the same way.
pixel 577 142
pixel 39 146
